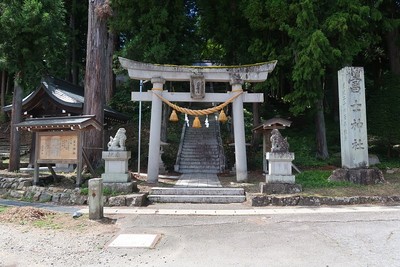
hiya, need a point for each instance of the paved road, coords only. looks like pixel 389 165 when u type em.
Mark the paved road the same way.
pixel 48 206
pixel 351 238
pixel 337 236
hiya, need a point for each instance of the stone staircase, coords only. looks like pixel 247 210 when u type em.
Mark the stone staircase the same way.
pixel 200 158
pixel 5 147
pixel 201 149
pixel 196 195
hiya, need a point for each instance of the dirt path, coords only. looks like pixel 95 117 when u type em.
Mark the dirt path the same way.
pixel 56 240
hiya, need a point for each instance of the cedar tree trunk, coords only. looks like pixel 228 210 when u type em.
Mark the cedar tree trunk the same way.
pixel 16 117
pixel 392 39
pixel 96 76
pixel 322 146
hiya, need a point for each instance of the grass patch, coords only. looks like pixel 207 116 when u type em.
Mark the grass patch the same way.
pixel 319 179
pixel 84 191
pixel 3 208
pixel 109 192
pixel 47 223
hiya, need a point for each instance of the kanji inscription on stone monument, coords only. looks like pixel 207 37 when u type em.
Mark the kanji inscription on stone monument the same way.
pixel 353 119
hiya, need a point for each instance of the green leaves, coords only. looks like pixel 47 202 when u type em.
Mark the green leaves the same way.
pixel 156 31
pixel 31 33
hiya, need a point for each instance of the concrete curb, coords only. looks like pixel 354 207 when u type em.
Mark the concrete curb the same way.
pixel 262 200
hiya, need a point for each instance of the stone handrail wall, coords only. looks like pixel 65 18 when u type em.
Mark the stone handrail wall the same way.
pixel 178 156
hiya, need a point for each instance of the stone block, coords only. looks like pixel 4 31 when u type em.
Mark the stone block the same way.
pixel 125 188
pixel 3 192
pixel 6 184
pixel 280 168
pixel 115 177
pixel 363 176
pixel 116 161
pixel 136 200
pixel 45 197
pixel 23 184
pixel 274 178
pixel 17 194
pixel 77 199
pixel 117 201
pixel 373 159
pixel 280 188
pixel 56 198
pixel 36 196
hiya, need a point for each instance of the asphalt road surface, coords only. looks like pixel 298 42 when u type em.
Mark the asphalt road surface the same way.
pixel 337 236
pixel 322 237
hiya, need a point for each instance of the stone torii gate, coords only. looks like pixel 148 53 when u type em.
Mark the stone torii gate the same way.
pixel 198 75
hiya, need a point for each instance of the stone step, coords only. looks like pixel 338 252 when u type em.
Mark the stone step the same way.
pixel 183 169
pixel 208 142
pixel 211 126
pixel 193 152
pixel 199 148
pixel 195 199
pixel 218 191
pixel 209 160
pixel 200 135
pixel 190 165
pixel 199 158
pixel 201 145
pixel 189 155
pixel 196 150
pixel 201 164
pixel 210 130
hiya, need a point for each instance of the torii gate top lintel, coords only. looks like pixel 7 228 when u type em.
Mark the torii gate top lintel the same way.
pixel 250 73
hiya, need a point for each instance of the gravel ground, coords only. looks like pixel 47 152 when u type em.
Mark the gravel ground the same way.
pixel 31 237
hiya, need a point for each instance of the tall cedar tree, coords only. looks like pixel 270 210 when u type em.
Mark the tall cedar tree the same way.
pixel 31 42
pixel 313 39
pixel 96 76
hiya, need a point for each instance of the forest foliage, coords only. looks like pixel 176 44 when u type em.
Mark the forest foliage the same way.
pixel 311 39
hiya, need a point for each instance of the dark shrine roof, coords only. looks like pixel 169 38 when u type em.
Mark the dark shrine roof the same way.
pixel 274 123
pixel 65 96
pixel 59 123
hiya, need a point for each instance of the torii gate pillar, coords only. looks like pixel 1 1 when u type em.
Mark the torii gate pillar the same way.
pixel 238 130
pixel 155 130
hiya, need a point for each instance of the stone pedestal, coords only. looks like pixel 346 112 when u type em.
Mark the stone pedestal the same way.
pixel 280 167
pixel 116 166
pixel 280 188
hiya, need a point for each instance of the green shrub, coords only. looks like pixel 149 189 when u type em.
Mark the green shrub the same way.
pixel 84 191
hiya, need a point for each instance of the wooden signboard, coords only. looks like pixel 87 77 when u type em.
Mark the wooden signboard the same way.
pixel 59 140
pixel 58 147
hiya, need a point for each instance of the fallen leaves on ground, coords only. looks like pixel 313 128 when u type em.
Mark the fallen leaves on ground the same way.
pixel 17 214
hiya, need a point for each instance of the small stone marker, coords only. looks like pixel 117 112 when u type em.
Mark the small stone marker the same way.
pixel 95 199
pixel 353 119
